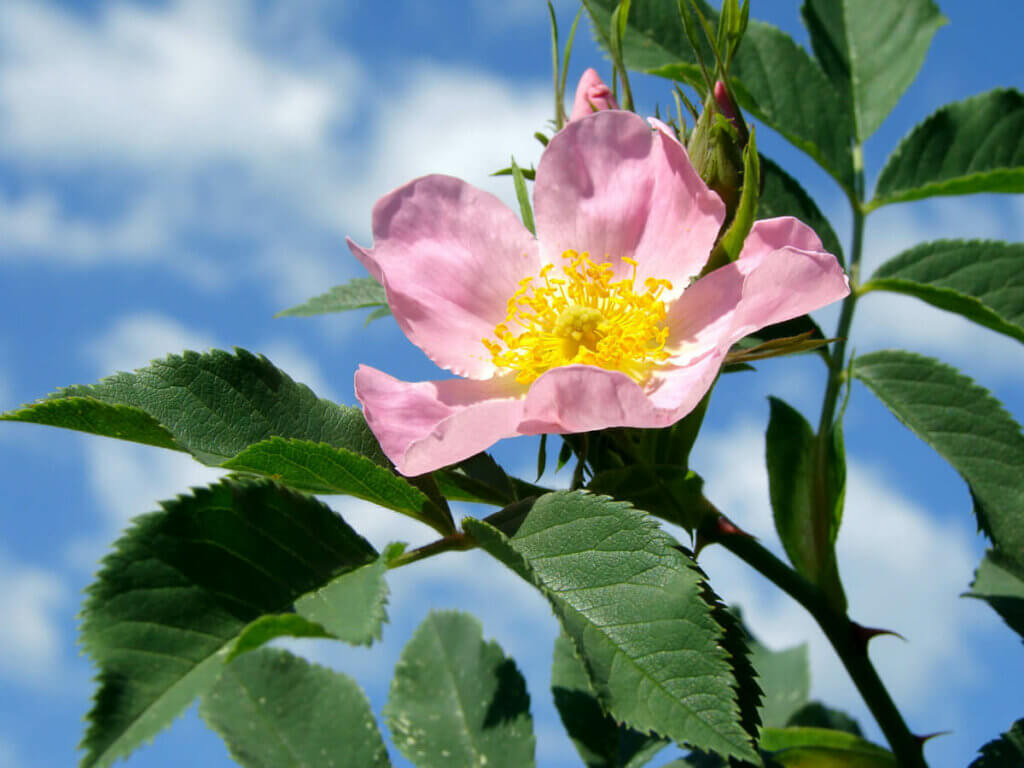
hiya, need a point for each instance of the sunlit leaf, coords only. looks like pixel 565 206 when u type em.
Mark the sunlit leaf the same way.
pixel 999 581
pixel 459 701
pixel 274 709
pixel 358 293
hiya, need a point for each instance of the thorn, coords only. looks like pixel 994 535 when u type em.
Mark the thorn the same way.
pixel 922 739
pixel 717 531
pixel 863 635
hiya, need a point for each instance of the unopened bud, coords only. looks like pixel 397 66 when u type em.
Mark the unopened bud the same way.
pixel 716 147
pixel 592 95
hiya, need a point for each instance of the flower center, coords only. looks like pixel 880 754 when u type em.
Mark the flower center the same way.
pixel 582 317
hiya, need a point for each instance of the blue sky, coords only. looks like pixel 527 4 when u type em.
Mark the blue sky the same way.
pixel 173 173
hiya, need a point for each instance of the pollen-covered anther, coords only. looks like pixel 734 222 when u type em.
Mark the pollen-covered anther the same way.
pixel 583 317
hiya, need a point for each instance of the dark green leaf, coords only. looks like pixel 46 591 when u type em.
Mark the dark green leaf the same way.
pixel 785 678
pixel 353 606
pixel 999 581
pixel 458 701
pixel 267 628
pixel 601 742
pixel 1005 752
pixel 358 293
pixel 783 196
pixel 274 709
pixel 635 607
pixel 480 479
pixel 814 714
pixel 967 426
pixel 321 468
pixel 871 50
pixel 983 280
pixel 773 78
pixel 823 748
pixel 213 405
pixel 180 587
pixel 806 507
pixel 976 145
pixel 669 492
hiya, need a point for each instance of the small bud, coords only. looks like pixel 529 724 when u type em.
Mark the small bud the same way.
pixel 725 103
pixel 716 147
pixel 592 95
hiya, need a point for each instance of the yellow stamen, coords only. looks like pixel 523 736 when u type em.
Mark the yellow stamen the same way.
pixel 583 317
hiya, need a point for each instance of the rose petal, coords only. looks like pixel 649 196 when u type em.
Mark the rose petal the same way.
pixel 611 185
pixel 592 95
pixel 426 425
pixel 781 273
pixel 449 256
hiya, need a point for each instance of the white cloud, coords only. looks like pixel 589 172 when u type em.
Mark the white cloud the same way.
pixel 31 647
pixel 134 340
pixel 902 570
pixel 10 756
pixel 176 84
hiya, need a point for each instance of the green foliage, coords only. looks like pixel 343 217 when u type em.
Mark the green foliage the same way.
pixel 275 710
pixel 457 700
pixel 975 145
pixel 183 584
pixel 785 678
pixel 600 740
pixel 321 468
pixel 352 607
pixel 1005 752
pixel 806 482
pixel 666 491
pixel 783 196
pixel 999 581
pixel 523 197
pixel 871 50
pixel 823 748
pixel 967 426
pixel 358 293
pixel 480 479
pixel 635 607
pixel 213 405
pixel 982 280
pixel 774 78
pixel 814 714
pixel 272 626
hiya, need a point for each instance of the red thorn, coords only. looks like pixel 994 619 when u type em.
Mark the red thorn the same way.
pixel 717 531
pixel 863 635
pixel 922 739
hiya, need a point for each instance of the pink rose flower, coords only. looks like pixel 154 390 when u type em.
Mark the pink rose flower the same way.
pixel 593 323
pixel 592 95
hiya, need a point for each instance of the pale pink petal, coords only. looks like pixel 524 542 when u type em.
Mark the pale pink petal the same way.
pixel 449 256
pixel 581 398
pixel 592 95
pixel 426 425
pixel 782 273
pixel 612 185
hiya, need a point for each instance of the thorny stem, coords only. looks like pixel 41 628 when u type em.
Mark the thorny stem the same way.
pixel 841 633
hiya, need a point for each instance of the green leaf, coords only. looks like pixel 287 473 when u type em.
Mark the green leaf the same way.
pixel 773 78
pixel 669 492
pixel 213 405
pixel 274 709
pixel 785 678
pixel 270 627
pixel 456 700
pixel 983 280
pixel 182 585
pixel 783 196
pixel 967 426
pixel 600 740
pixel 523 196
pixel 816 715
pixel 1005 752
pixel 636 610
pixel 871 50
pixel 358 293
pixel 806 510
pixel 321 468
pixel 352 607
pixel 822 748
pixel 480 479
pixel 999 581
pixel 975 145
